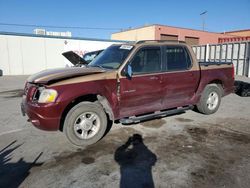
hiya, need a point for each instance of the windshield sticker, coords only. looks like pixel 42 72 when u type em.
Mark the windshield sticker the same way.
pixel 126 47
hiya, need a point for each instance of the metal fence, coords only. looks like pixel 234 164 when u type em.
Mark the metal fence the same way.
pixel 238 53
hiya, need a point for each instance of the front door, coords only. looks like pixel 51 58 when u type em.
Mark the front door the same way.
pixel 143 92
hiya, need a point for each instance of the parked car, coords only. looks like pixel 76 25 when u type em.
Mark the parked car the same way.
pixel 128 83
pixel 242 88
pixel 79 61
pixel 90 56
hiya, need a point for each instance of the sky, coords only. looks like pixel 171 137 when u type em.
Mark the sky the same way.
pixel 114 15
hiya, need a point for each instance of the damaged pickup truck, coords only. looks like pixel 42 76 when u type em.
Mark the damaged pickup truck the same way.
pixel 127 83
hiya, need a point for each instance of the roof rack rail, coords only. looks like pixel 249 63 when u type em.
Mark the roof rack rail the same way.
pixel 144 41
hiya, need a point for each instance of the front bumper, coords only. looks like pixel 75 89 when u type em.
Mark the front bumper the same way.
pixel 42 116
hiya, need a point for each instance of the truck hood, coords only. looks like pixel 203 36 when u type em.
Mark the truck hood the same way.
pixel 54 75
pixel 74 58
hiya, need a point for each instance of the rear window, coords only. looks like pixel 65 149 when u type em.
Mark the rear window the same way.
pixel 176 58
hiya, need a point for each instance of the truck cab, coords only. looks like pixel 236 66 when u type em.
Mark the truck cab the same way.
pixel 126 83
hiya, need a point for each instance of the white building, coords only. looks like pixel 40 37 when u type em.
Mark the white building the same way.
pixel 25 54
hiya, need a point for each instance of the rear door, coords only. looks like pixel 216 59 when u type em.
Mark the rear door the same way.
pixel 181 76
pixel 143 93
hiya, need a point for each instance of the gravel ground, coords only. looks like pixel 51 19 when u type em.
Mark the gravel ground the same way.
pixel 186 150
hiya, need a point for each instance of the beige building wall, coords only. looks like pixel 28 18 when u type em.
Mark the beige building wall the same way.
pixel 242 33
pixel 145 33
pixel 203 36
pixel 162 32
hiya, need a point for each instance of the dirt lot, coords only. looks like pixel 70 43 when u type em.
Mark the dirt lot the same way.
pixel 187 150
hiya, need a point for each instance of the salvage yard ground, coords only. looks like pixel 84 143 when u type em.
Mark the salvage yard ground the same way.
pixel 187 150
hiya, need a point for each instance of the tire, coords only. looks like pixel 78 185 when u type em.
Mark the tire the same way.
pixel 210 99
pixel 85 124
pixel 245 89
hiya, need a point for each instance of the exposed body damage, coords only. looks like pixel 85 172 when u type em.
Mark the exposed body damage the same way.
pixel 123 96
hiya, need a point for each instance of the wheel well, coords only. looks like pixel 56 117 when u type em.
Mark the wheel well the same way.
pixel 89 98
pixel 219 83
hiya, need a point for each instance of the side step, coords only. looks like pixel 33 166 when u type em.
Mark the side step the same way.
pixel 137 119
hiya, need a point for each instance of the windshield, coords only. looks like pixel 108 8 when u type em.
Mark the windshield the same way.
pixel 112 57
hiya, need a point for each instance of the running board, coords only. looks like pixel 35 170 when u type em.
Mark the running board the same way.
pixel 137 119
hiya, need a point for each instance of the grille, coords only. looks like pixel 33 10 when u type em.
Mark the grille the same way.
pixel 30 90
pixel 26 88
pixel 36 94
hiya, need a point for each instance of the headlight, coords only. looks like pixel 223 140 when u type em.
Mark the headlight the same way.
pixel 47 96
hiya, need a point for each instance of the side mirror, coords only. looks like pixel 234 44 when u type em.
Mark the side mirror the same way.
pixel 128 72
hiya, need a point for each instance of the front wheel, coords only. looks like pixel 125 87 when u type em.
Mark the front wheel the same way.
pixel 85 124
pixel 210 99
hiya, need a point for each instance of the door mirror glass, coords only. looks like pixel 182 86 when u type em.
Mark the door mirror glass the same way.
pixel 128 72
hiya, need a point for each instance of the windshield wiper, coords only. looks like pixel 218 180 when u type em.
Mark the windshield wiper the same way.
pixel 96 66
pixel 102 67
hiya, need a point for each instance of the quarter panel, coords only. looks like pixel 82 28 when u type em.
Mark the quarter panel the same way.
pixel 213 74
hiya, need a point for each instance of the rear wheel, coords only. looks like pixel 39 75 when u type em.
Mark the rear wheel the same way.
pixel 85 124
pixel 210 99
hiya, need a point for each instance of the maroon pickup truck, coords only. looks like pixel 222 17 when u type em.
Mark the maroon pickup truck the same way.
pixel 127 83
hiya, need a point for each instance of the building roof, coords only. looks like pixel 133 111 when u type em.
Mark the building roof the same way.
pixel 140 27
pixel 57 37
pixel 234 31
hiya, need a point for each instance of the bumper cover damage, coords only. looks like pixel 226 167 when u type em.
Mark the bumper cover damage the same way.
pixel 44 117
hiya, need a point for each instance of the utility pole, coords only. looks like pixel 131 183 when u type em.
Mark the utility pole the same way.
pixel 203 19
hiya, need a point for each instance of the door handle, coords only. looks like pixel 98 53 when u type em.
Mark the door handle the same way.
pixel 191 74
pixel 154 78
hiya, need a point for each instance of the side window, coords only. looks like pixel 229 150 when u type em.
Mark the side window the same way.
pixel 177 58
pixel 147 60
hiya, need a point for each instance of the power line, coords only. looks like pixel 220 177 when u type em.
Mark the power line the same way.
pixel 59 27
